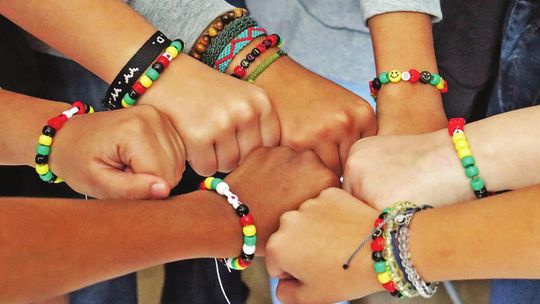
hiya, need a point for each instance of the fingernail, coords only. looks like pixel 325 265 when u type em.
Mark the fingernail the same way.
pixel 159 190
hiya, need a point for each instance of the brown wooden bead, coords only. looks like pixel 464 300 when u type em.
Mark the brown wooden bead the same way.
pixel 205 40
pixel 196 55
pixel 231 15
pixel 226 18
pixel 200 48
pixel 218 25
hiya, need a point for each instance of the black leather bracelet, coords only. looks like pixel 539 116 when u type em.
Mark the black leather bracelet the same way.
pixel 135 67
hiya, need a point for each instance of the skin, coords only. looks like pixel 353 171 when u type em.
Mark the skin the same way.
pixel 49 238
pixel 441 249
pixel 505 143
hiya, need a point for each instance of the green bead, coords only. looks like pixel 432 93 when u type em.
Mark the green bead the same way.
pixel 178 45
pixel 152 74
pixel 130 101
pixel 471 171
pixel 43 150
pixel 47 177
pixel 435 79
pixel 379 267
pixel 477 184
pixel 250 240
pixel 215 182
pixel 386 210
pixel 383 77
pixel 467 161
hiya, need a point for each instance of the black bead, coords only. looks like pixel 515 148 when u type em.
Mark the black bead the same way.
pixel 255 52
pixel 250 58
pixel 87 108
pixel 242 210
pixel 226 19
pixel 49 131
pixel 377 233
pixel 267 43
pixel 425 77
pixel 377 256
pixel 376 83
pixel 278 39
pixel 42 159
pixel 51 181
pixel 247 257
pixel 481 193
pixel 383 215
pixel 158 67
pixel 396 294
pixel 244 63
pixel 134 94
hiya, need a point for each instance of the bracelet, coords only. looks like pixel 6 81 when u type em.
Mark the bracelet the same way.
pixel 236 45
pixel 412 76
pixel 213 30
pixel 152 73
pixel 264 65
pixel 45 141
pixel 246 220
pixel 134 69
pixel 219 43
pixel 269 42
pixel 456 128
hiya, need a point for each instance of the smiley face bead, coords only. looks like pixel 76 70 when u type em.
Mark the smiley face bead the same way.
pixel 394 76
pixel 425 77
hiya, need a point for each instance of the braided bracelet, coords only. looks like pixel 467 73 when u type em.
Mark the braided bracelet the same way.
pixel 214 29
pixel 269 42
pixel 412 76
pixel 456 128
pixel 45 141
pixel 152 73
pixel 246 220
pixel 264 65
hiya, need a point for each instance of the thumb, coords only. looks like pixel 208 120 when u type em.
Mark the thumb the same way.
pixel 128 185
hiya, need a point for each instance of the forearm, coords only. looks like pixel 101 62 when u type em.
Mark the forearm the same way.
pixel 497 237
pixel 56 246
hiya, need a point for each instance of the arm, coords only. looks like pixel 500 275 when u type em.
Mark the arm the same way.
pixel 504 146
pixel 45 240
pixel 485 239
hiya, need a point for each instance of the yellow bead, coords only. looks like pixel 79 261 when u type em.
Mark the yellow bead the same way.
pixel 91 110
pixel 464 152
pixel 124 104
pixel 45 140
pixel 58 180
pixel 238 12
pixel 249 230
pixel 440 85
pixel 461 144
pixel 458 136
pixel 394 76
pixel 208 182
pixel 145 81
pixel 42 169
pixel 384 277
pixel 172 50
pixel 212 32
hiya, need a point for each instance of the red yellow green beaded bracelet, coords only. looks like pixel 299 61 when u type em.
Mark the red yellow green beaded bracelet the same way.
pixel 45 141
pixel 246 220
pixel 412 76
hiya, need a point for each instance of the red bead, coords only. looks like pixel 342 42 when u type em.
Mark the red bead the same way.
pixel 80 106
pixel 273 40
pixel 455 123
pixel 415 76
pixel 240 71
pixel 164 61
pixel 261 47
pixel 139 88
pixel 445 88
pixel 243 263
pixel 378 222
pixel 246 220
pixel 373 91
pixel 377 244
pixel 390 287
pixel 202 186
pixel 57 122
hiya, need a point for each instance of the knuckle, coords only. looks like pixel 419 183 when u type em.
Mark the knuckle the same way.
pixel 309 156
pixel 262 99
pixel 287 218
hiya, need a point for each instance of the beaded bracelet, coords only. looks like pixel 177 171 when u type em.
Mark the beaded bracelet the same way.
pixel 152 73
pixel 236 45
pixel 269 42
pixel 412 76
pixel 456 128
pixel 264 65
pixel 246 220
pixel 213 30
pixel 45 141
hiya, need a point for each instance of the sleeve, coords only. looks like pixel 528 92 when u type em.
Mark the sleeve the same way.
pixel 185 19
pixel 371 8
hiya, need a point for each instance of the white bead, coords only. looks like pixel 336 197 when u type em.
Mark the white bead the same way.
pixel 405 76
pixel 69 113
pixel 248 249
pixel 227 193
pixel 222 187
pixel 233 199
pixel 235 205
pixel 228 262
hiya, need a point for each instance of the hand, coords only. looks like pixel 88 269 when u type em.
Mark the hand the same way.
pixel 273 181
pixel 312 244
pixel 131 154
pixel 315 113
pixel 220 119
pixel 424 169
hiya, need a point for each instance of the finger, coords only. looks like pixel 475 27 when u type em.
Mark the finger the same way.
pixel 202 158
pixel 119 184
pixel 329 154
pixel 227 152
pixel 270 129
pixel 344 149
pixel 248 137
pixel 288 290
